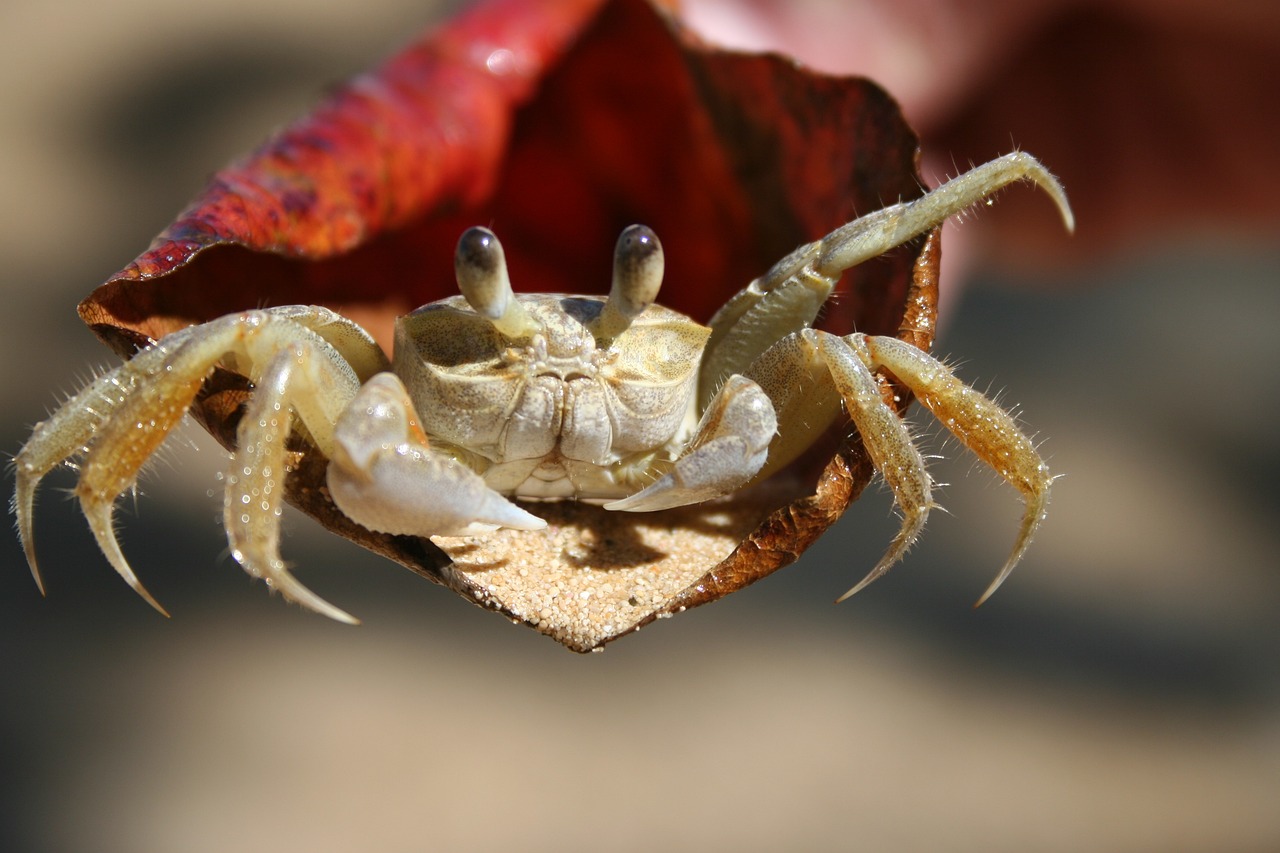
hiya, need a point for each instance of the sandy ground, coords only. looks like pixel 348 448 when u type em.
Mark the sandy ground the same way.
pixel 1121 693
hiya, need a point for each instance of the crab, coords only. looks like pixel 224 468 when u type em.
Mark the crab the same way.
pixel 496 401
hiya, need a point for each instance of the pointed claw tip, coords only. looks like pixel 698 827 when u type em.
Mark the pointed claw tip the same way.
pixel 146 596
pixel 872 575
pixel 30 550
pixel 1030 523
pixel 525 521
pixel 99 515
pixel 21 505
pixel 982 599
pixel 299 594
pixel 991 590
pixel 1059 196
pixel 1003 576
pixel 503 515
pixel 316 604
pixel 1043 178
pixel 343 617
pixel 850 593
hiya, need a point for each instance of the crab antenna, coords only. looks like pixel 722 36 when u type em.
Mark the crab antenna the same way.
pixel 637 275
pixel 481 269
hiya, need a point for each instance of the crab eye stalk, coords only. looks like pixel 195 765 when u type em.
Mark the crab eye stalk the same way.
pixel 637 274
pixel 481 269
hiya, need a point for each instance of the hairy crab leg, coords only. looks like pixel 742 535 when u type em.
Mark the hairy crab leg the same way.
pixel 789 296
pixel 296 378
pixel 121 427
pixel 981 425
pixel 874 234
pixel 120 419
pixel 809 374
pixel 66 432
pixel 888 442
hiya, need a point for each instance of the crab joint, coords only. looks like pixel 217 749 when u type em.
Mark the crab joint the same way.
pixel 638 264
pixel 481 269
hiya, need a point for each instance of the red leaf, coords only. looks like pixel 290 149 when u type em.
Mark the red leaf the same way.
pixel 556 127
pixel 557 124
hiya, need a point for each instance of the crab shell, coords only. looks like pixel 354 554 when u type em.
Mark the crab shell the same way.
pixel 613 115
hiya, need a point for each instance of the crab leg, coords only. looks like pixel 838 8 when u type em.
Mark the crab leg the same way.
pixel 120 428
pixel 790 295
pixel 885 436
pixel 809 374
pixel 873 235
pixel 292 381
pixel 806 377
pixel 982 426
pixel 120 419
pixel 77 425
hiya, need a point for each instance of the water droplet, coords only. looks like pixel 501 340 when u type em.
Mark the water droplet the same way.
pixel 501 62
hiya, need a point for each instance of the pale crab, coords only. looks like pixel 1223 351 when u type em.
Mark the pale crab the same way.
pixel 494 397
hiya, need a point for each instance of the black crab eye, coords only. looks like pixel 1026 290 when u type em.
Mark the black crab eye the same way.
pixel 480 266
pixel 638 265
pixel 638 262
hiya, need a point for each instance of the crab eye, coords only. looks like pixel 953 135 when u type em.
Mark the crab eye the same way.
pixel 480 266
pixel 637 274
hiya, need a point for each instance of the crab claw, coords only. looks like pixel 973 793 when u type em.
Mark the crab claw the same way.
pixel 730 446
pixel 384 475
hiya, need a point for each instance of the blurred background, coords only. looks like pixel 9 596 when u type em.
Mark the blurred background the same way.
pixel 1120 693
